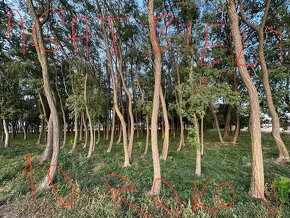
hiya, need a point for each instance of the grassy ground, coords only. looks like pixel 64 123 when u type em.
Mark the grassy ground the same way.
pixel 228 163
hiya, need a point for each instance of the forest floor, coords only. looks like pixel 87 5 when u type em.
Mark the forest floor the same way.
pixel 220 163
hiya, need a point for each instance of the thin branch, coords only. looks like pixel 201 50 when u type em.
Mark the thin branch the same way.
pixel 255 27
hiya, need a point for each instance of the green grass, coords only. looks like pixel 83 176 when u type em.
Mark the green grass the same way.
pixel 228 163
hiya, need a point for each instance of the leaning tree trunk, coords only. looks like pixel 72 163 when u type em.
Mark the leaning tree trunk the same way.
pixel 38 40
pixel 166 127
pixel 6 132
pixel 86 130
pixel 157 85
pixel 89 118
pixel 216 121
pixel 257 179
pixel 283 152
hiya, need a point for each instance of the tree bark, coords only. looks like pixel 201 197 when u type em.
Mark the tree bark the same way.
pixel 76 131
pixel 157 84
pixel 49 144
pixel 228 122
pixel 112 131
pixel 198 152
pixel 257 179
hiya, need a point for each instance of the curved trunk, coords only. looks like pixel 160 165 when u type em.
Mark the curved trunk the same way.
pixel 216 121
pixel 89 118
pixel 181 141
pixel 166 127
pixel 49 143
pixel 283 152
pixel 63 118
pixel 81 127
pixel 111 69
pixel 6 132
pixel 257 178
pixel 157 84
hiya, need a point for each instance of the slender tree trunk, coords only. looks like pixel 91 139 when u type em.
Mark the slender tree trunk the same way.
pixel 198 152
pixel 6 131
pixel 24 131
pixel 257 179
pixel 81 126
pixel 181 141
pixel 89 118
pixel 237 128
pixel 63 118
pixel 283 152
pixel 201 136
pixel 76 131
pixel 112 131
pixel 157 85
pixel 166 127
pixel 49 144
pixel 99 132
pixel 86 130
pixel 147 134
pixel 119 114
pixel 216 123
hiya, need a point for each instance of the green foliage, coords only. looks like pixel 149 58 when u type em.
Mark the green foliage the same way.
pixel 282 184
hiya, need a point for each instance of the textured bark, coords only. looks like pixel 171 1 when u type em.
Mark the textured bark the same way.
pixel 157 84
pixel 6 132
pixel 283 152
pixel 41 54
pixel 257 178
pixel 86 129
pixel 166 127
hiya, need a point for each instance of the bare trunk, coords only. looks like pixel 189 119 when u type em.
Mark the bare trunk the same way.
pixel 76 132
pixel 86 130
pixel 181 141
pixel 119 114
pixel 81 127
pixel 228 122
pixel 112 131
pixel 237 128
pixel 6 132
pixel 283 152
pixel 257 179
pixel 198 153
pixel 201 136
pixel 49 144
pixel 99 132
pixel 157 85
pixel 89 118
pixel 216 123
pixel 147 134
pixel 166 127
